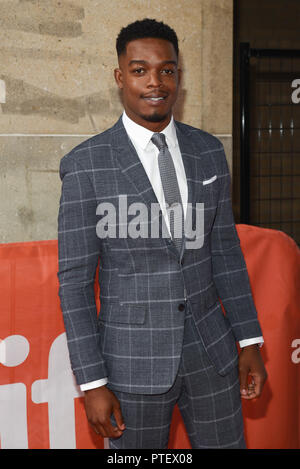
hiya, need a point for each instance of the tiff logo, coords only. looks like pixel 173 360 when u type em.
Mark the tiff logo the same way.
pixel 58 390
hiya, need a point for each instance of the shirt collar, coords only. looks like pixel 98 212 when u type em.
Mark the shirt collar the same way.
pixel 141 136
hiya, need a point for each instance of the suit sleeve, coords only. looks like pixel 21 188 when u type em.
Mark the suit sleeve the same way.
pixel 78 252
pixel 229 267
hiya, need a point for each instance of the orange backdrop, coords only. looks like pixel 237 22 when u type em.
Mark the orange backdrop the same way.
pixel 40 404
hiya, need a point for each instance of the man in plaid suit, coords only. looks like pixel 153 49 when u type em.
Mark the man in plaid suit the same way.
pixel 161 337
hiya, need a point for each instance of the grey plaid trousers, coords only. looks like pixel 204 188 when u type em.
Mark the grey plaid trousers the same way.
pixel 209 403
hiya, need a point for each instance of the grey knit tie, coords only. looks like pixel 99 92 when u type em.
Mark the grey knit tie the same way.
pixel 171 189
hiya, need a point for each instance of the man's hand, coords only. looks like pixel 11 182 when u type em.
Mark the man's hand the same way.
pixel 251 366
pixel 100 403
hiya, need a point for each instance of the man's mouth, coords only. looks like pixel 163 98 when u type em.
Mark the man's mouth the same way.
pixel 154 99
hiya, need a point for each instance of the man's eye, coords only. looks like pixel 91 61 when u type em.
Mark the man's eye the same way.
pixel 167 71
pixel 138 71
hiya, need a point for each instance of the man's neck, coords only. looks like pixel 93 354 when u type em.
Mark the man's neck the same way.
pixel 156 129
pixel 151 126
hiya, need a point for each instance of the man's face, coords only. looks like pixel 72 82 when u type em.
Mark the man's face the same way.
pixel 148 76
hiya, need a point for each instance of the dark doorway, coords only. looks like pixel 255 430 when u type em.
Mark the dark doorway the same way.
pixel 266 150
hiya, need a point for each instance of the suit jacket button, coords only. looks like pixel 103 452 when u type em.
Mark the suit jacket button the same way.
pixel 181 307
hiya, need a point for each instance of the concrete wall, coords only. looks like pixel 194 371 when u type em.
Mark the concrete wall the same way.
pixel 57 89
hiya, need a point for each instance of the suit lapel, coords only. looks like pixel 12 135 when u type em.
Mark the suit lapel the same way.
pixel 190 157
pixel 132 168
pixel 130 164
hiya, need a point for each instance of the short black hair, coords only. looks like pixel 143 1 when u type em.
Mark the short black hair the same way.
pixel 143 29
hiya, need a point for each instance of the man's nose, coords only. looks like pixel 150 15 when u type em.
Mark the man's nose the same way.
pixel 154 79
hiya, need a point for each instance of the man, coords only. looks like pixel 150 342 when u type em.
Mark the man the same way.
pixel 161 337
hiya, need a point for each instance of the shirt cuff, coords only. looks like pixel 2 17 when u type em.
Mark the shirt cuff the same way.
pixel 93 384
pixel 254 340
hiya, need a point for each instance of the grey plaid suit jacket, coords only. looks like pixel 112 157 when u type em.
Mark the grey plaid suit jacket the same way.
pixel 137 339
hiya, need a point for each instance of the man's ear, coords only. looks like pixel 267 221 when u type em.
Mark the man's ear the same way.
pixel 118 77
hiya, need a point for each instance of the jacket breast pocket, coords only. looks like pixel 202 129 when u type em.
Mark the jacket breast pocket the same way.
pixel 129 313
pixel 210 189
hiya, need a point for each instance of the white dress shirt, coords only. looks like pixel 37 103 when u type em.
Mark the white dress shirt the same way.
pixel 148 154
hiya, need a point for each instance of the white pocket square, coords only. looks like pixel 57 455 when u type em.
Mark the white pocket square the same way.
pixel 208 181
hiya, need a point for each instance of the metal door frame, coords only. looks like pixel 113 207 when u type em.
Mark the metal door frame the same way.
pixel 245 54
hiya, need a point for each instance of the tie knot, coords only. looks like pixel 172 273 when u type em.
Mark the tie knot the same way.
pixel 159 140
